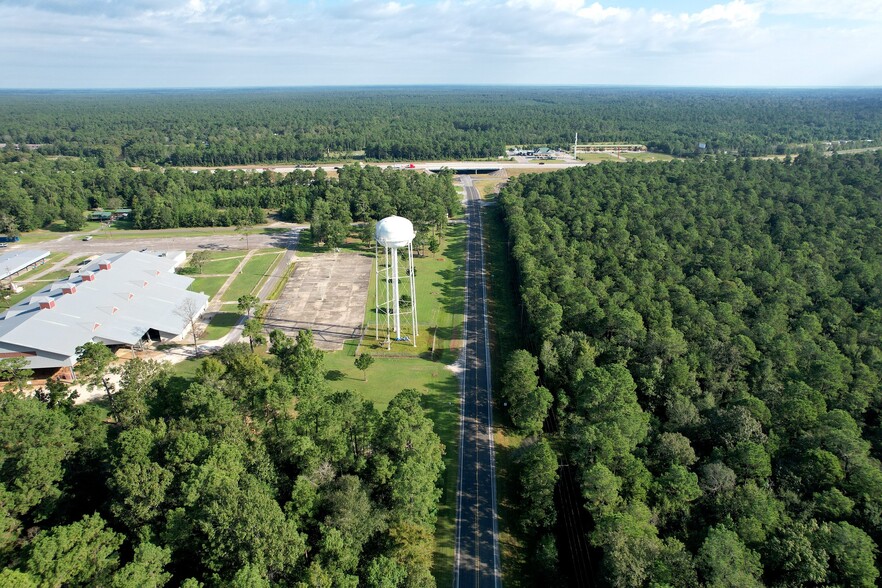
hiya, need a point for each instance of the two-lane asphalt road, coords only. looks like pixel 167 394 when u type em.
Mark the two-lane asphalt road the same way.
pixel 477 543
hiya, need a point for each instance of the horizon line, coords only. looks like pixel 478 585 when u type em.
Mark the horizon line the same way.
pixel 433 86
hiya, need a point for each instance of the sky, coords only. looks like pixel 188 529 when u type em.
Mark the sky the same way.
pixel 231 43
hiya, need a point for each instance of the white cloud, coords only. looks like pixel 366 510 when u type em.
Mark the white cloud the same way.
pixel 736 14
pixel 279 42
pixel 594 12
pixel 856 10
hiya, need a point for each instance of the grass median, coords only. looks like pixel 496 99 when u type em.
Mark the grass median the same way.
pixel 252 276
pixel 225 266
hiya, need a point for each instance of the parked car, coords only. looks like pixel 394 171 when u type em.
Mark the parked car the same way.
pixel 87 238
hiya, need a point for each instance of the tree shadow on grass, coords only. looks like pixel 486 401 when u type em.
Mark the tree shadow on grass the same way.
pixel 335 375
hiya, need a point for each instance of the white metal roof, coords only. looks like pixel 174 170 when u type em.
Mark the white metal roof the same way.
pixel 15 261
pixel 140 291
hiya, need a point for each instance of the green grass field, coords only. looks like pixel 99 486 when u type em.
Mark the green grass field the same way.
pixel 280 285
pixel 440 286
pixel 647 156
pixel 209 286
pixel 597 157
pixel 123 230
pixel 220 324
pixel 216 255
pixel 488 187
pixel 54 231
pixel 56 275
pixel 127 233
pixel 307 247
pixel 76 263
pixel 624 157
pixel 226 265
pixel 251 277
pixel 12 299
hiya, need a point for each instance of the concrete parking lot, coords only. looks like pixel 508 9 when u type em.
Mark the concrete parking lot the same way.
pixel 327 293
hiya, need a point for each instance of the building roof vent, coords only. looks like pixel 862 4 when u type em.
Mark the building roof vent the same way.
pixel 45 302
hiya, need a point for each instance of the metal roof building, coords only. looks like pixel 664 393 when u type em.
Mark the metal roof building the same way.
pixel 16 261
pixel 116 299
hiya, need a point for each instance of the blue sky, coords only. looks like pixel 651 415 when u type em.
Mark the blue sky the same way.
pixel 224 43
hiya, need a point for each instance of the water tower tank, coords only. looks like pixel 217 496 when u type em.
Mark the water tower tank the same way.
pixel 395 232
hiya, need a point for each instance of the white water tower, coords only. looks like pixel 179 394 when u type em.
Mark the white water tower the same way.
pixel 395 298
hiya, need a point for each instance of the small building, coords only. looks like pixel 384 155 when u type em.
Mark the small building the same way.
pixel 120 300
pixel 121 214
pixel 608 148
pixel 101 215
pixel 16 262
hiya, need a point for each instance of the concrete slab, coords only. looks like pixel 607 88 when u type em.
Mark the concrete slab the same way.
pixel 327 294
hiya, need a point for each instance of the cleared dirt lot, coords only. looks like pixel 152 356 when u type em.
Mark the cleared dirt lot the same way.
pixel 327 294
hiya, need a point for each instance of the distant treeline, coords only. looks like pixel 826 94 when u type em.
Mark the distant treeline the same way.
pixel 705 345
pixel 235 127
pixel 35 191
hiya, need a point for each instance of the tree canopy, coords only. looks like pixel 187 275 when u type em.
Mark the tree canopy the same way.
pixel 236 127
pixel 709 332
pixel 253 474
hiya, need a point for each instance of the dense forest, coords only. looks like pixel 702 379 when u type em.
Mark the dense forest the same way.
pixel 253 475
pixel 234 127
pixel 705 353
pixel 36 190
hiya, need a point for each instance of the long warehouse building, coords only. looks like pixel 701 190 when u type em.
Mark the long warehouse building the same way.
pixel 118 299
pixel 16 262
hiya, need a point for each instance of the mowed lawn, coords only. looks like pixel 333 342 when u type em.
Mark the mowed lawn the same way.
pixel 252 276
pixel 225 265
pixel 209 286
pixel 56 275
pixel 440 286
pixel 648 156
pixel 28 289
pixel 220 325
